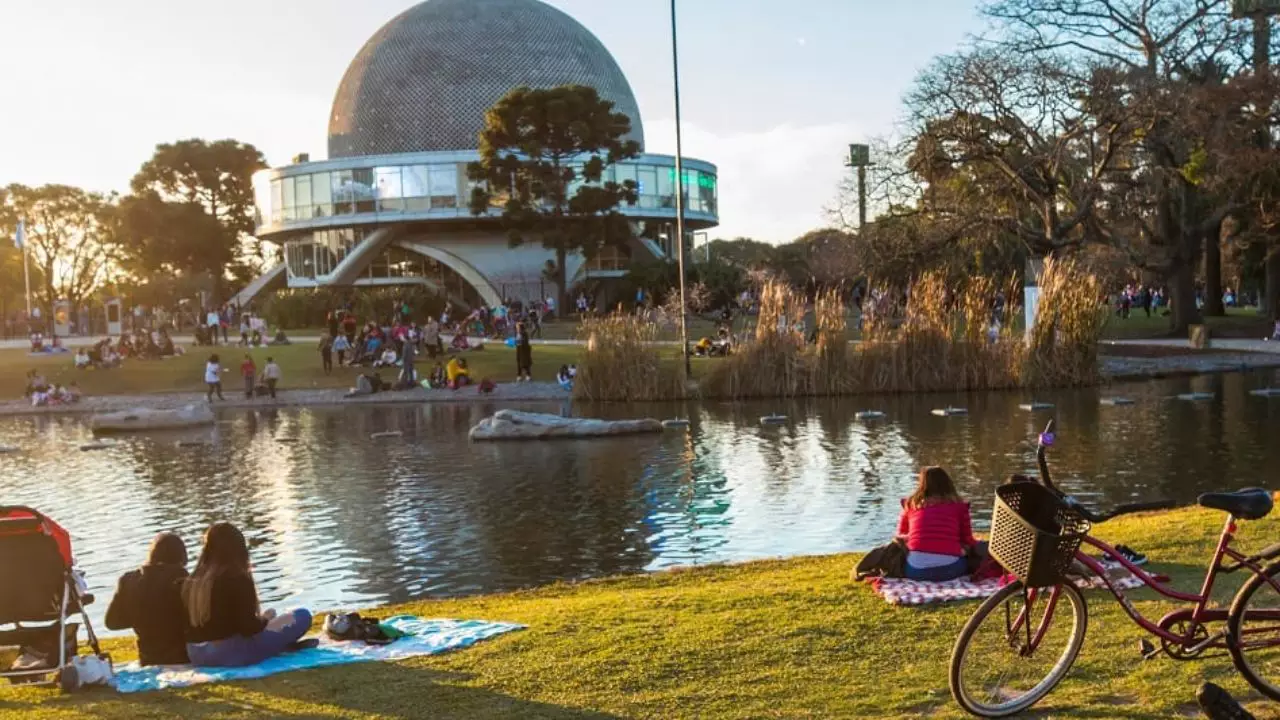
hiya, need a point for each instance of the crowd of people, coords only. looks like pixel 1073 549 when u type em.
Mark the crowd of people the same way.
pixel 42 393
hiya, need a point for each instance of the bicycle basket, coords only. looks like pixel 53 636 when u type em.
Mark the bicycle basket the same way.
pixel 1034 535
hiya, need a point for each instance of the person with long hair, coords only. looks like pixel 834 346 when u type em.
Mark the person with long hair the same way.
pixel 149 601
pixel 524 354
pixel 225 626
pixel 936 527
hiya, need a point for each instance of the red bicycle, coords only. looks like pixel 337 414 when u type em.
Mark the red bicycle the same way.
pixel 1023 640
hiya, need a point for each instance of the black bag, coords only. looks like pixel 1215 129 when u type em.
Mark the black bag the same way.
pixel 351 626
pixel 888 561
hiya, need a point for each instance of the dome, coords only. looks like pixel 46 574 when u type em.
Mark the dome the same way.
pixel 425 80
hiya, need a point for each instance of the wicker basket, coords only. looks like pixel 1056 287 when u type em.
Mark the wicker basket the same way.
pixel 1034 535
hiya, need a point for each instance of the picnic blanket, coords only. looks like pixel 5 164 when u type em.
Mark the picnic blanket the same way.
pixel 422 637
pixel 900 591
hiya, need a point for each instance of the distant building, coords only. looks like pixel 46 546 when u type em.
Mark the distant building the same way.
pixel 391 204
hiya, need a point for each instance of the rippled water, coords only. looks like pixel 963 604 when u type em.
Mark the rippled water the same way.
pixel 338 519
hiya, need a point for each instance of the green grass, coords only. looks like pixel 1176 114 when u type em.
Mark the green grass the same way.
pixel 300 365
pixel 779 639
pixel 1238 322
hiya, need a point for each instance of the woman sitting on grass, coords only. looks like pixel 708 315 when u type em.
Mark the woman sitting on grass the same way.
pixel 225 625
pixel 458 373
pixel 935 525
pixel 149 602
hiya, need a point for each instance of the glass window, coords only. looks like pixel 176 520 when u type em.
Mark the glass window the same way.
pixel 707 192
pixel 303 183
pixel 262 198
pixel 277 202
pixel 444 186
pixel 417 187
pixel 322 194
pixel 344 195
pixel 625 172
pixel 647 179
pixel 389 189
pixel 362 184
pixel 289 198
pixel 300 258
pixel 667 187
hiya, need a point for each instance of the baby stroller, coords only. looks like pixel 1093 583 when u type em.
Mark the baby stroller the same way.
pixel 40 589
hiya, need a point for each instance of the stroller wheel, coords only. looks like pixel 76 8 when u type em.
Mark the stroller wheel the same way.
pixel 69 678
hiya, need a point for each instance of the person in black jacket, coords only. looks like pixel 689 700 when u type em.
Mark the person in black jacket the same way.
pixel 225 626
pixel 149 601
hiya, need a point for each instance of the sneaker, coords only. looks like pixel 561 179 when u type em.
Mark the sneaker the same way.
pixel 1129 554
pixel 1219 705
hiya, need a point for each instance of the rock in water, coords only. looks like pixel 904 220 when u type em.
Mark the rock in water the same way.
pixel 869 415
pixel 773 419
pixel 7 449
pixel 1266 392
pixel 675 423
pixel 1034 406
pixel 1115 401
pixel 950 412
pixel 388 434
pixel 516 425
pixel 146 419
pixel 97 446
pixel 1196 396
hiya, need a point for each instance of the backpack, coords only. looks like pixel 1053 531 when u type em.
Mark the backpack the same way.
pixel 351 626
pixel 888 561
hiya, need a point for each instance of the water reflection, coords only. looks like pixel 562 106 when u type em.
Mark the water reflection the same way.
pixel 336 518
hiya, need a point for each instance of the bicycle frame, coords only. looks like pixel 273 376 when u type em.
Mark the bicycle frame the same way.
pixel 1198 615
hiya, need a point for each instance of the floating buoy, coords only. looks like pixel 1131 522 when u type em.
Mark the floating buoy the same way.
pixel 387 434
pixel 869 415
pixel 97 446
pixel 7 449
pixel 286 439
pixel 1196 396
pixel 950 411
pixel 1034 406
pixel 1266 392
pixel 1115 401
pixel 675 423
pixel 191 443
pixel 773 419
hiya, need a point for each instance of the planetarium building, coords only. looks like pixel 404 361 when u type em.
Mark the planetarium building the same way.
pixel 391 204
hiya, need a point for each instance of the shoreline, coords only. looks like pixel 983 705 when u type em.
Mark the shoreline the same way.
pixel 1112 369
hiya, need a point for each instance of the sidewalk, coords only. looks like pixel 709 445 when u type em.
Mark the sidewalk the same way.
pixel 1225 344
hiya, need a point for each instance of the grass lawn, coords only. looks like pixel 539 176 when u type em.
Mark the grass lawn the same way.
pixel 778 639
pixel 300 365
pixel 1238 322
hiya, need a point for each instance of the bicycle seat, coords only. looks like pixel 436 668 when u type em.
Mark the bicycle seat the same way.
pixel 1247 504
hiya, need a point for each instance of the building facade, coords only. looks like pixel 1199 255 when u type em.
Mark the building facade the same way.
pixel 392 204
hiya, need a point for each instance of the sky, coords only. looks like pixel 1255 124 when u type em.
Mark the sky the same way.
pixel 772 91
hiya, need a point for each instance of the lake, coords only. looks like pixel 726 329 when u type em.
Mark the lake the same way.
pixel 337 519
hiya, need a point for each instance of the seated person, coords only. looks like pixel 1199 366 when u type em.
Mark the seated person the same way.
pixel 458 373
pixel 256 339
pixel 110 359
pixel 388 358
pixel 72 393
pixel 703 347
pixel 1275 334
pixel 166 345
pixel 35 384
pixel 149 602
pixel 37 342
pixel 437 379
pixel 935 526
pixel 280 338
pixel 564 378
pixel 460 342
pixel 225 625
pixel 82 359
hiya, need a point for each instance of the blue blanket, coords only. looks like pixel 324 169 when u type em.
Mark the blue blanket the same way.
pixel 422 637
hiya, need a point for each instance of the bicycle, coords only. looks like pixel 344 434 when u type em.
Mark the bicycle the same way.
pixel 986 687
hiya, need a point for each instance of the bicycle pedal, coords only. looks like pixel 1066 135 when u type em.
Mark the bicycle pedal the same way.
pixel 1149 651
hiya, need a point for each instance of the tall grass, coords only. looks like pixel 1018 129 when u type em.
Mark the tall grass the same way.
pixel 944 342
pixel 621 363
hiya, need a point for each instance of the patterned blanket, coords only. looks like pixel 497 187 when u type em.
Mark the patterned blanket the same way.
pixel 900 591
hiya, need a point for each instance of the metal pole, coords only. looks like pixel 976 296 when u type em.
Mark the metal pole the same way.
pixel 862 197
pixel 675 74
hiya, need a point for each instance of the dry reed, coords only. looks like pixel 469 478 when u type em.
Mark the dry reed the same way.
pixel 622 363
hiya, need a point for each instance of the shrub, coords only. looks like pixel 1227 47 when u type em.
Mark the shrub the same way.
pixel 622 363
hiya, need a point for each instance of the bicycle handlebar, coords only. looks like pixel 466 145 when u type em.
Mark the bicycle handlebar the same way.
pixel 1046 439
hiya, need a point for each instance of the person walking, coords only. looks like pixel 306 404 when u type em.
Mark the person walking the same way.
pixel 341 346
pixel 326 353
pixel 213 377
pixel 211 320
pixel 524 355
pixel 271 373
pixel 249 373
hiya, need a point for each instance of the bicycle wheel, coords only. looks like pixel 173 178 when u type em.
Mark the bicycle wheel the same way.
pixel 1253 632
pixel 992 675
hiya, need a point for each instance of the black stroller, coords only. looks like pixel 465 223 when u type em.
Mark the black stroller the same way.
pixel 40 590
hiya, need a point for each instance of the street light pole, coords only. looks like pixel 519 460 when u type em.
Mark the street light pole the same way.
pixel 675 74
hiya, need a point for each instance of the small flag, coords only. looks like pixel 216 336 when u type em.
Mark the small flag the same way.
pixel 21 238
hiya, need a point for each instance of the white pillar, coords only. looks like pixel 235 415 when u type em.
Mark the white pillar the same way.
pixel 1031 293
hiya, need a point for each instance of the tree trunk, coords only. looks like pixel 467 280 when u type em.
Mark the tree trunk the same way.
pixel 1182 291
pixel 1271 267
pixel 1213 273
pixel 562 299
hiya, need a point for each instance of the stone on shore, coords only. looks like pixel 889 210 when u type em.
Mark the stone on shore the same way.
pixel 516 425
pixel 143 419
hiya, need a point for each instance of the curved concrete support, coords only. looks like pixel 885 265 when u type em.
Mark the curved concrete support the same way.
pixel 355 263
pixel 271 277
pixel 468 272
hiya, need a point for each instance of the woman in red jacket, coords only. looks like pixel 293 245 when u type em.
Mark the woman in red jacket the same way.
pixel 935 526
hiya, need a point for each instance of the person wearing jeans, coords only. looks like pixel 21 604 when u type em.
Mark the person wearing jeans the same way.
pixel 936 526
pixel 213 377
pixel 226 627
pixel 271 374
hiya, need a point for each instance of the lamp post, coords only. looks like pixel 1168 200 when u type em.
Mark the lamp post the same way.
pixel 675 76
pixel 860 159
